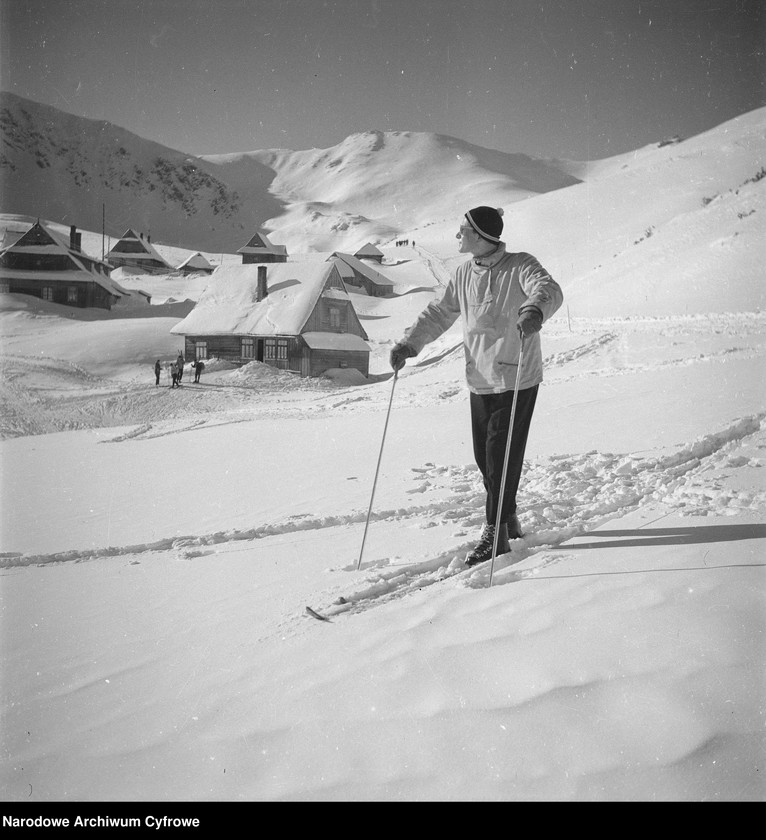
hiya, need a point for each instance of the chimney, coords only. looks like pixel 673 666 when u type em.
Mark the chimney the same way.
pixel 262 290
pixel 78 242
pixel 72 238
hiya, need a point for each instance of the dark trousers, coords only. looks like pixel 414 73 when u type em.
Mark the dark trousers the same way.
pixel 490 419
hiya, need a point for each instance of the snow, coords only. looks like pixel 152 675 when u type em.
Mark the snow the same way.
pixel 229 303
pixel 159 547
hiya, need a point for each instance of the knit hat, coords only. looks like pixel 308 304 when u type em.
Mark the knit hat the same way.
pixel 487 222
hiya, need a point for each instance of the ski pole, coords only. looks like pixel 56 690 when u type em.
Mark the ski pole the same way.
pixel 505 462
pixel 377 469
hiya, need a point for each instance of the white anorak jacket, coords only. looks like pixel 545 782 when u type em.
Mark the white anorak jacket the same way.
pixel 488 292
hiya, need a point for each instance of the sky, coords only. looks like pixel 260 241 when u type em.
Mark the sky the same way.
pixel 577 79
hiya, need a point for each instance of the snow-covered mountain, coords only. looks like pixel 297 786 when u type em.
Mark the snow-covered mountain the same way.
pixel 371 186
pixel 376 185
pixel 604 228
pixel 72 170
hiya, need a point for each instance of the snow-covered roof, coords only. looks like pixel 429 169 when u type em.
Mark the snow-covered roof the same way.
pixel 136 248
pixel 229 306
pixel 334 341
pixel 259 244
pixel 42 240
pixel 368 250
pixel 197 261
pixel 360 267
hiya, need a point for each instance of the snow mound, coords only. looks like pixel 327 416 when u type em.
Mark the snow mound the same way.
pixel 346 376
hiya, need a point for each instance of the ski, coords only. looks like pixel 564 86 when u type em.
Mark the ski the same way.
pixel 315 614
pixel 396 582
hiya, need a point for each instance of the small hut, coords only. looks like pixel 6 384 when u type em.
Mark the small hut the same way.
pixel 136 251
pixel 196 264
pixel 260 250
pixel 356 273
pixel 369 252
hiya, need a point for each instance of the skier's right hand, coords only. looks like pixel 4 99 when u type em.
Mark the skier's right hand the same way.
pixel 399 354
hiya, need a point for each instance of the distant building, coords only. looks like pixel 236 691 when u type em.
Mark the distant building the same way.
pixel 260 250
pixel 356 273
pixel 293 316
pixel 135 251
pixel 43 264
pixel 196 264
pixel 369 252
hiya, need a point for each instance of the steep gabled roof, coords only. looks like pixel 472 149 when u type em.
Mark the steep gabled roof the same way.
pixel 362 268
pixel 42 240
pixel 137 248
pixel 197 261
pixel 259 244
pixel 368 250
pixel 229 306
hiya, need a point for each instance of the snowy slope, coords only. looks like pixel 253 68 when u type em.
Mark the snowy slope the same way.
pixel 159 547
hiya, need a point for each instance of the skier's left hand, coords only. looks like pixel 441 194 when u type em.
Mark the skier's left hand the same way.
pixel 399 355
pixel 530 321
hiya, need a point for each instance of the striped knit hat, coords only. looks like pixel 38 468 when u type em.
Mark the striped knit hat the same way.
pixel 487 222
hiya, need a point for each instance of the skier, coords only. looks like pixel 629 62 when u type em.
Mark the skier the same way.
pixel 157 371
pixel 180 364
pixel 504 299
pixel 198 366
pixel 174 374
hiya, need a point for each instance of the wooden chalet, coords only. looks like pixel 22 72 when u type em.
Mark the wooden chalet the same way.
pixel 43 264
pixel 136 251
pixel 296 316
pixel 260 250
pixel 355 273
pixel 369 252
pixel 196 264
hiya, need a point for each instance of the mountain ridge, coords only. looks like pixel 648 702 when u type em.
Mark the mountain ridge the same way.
pixel 371 186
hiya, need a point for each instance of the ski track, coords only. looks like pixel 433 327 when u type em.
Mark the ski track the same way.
pixel 561 497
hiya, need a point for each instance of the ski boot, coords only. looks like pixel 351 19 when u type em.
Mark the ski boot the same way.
pixel 483 550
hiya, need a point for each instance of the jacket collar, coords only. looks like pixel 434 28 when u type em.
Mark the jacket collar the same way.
pixel 491 259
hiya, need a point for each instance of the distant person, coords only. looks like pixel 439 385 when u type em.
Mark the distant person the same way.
pixel 504 299
pixel 180 364
pixel 198 366
pixel 174 374
pixel 157 372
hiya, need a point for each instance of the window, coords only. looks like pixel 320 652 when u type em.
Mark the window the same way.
pixel 47 293
pixel 5 287
pixel 275 350
pixel 334 317
pixel 71 294
pixel 200 350
pixel 247 348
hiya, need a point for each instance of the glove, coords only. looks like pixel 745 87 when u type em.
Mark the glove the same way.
pixel 530 321
pixel 399 354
